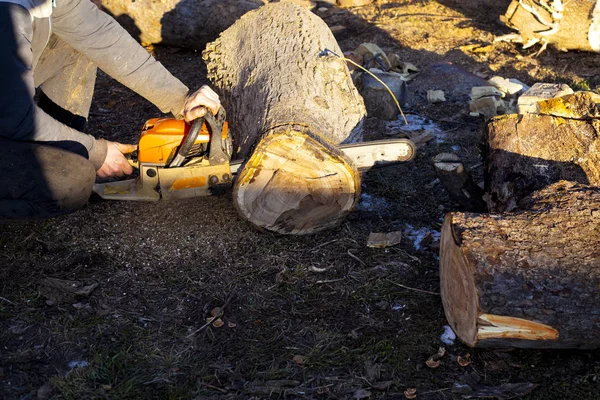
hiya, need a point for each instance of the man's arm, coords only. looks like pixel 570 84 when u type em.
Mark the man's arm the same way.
pixel 104 42
pixel 20 118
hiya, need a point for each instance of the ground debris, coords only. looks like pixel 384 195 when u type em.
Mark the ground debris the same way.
pixel 502 392
pixel 380 240
pixel 65 291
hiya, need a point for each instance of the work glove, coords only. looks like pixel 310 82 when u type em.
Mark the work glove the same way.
pixel 196 104
pixel 115 163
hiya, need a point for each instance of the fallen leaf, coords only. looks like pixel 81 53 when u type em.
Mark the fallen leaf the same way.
pixel 231 324
pixel 217 312
pixel 410 393
pixel 362 394
pixel 217 323
pixel 380 240
pixel 433 361
pixel 298 359
pixel 463 362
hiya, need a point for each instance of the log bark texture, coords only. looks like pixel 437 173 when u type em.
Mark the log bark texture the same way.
pixel 288 104
pixel 566 25
pixel 528 152
pixel 527 279
pixel 181 23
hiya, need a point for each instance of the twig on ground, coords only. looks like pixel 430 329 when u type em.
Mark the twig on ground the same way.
pixel 330 280
pixel 7 300
pixel 356 258
pixel 411 288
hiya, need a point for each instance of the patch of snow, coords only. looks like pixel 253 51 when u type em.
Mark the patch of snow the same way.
pixel 448 337
pixel 398 307
pixel 78 364
pixel 417 123
pixel 417 235
pixel 371 203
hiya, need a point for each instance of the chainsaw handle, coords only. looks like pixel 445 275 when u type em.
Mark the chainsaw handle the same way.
pixel 188 142
pixel 216 154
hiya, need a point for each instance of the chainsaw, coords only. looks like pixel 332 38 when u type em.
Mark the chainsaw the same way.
pixel 178 160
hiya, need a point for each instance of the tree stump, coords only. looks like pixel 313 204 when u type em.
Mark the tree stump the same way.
pixel 289 103
pixel 526 279
pixel 528 152
pixel 566 25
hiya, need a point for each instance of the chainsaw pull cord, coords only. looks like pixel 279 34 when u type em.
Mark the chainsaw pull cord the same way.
pixel 329 52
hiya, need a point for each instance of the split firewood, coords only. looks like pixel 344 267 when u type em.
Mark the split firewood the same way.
pixel 289 103
pixel 566 25
pixel 457 181
pixel 528 152
pixel 526 279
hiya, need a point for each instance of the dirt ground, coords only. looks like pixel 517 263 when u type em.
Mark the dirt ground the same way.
pixel 320 316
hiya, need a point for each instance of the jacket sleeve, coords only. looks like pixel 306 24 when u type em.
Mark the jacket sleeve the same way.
pixel 20 118
pixel 104 42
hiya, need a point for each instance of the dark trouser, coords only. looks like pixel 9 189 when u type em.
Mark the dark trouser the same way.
pixel 40 180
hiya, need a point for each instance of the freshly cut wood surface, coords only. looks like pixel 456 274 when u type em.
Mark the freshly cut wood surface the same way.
pixel 529 278
pixel 529 152
pixel 277 81
pixel 294 184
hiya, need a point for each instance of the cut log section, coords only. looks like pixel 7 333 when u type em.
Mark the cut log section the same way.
pixel 527 279
pixel 289 104
pixel 566 25
pixel 528 152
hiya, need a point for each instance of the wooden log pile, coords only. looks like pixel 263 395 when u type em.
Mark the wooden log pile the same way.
pixel 289 104
pixel 527 274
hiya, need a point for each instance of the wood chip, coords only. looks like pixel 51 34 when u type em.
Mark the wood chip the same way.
pixel 381 240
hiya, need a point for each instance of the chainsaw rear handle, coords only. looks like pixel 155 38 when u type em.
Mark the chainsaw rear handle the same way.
pixel 216 147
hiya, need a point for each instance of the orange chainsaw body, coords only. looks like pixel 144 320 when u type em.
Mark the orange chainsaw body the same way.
pixel 161 137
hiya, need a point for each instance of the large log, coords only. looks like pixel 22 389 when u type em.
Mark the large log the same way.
pixel 289 104
pixel 568 25
pixel 528 152
pixel 527 279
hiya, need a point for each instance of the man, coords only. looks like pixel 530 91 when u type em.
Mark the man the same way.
pixel 47 165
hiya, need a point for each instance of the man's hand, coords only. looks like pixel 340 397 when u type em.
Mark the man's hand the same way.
pixel 115 163
pixel 196 104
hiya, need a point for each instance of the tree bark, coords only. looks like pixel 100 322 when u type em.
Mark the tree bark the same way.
pixel 528 279
pixel 181 23
pixel 574 25
pixel 528 152
pixel 289 104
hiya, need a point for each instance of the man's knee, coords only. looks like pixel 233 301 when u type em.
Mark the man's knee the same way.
pixel 43 182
